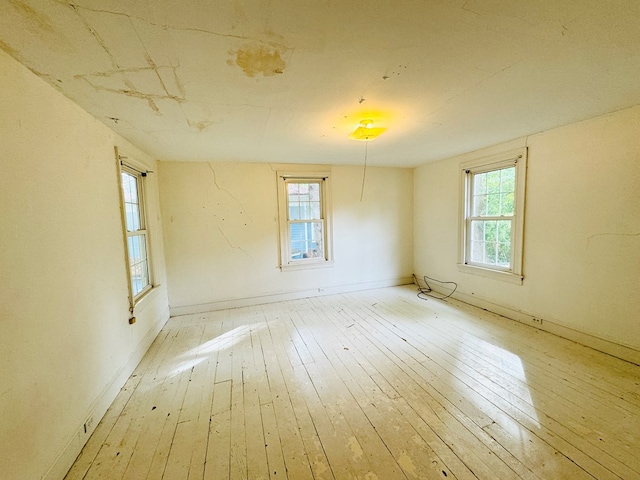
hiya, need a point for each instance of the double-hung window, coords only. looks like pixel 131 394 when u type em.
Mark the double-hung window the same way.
pixel 137 237
pixel 492 215
pixel 304 211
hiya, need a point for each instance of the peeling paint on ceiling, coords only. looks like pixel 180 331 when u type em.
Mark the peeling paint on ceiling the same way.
pixel 220 81
pixel 259 59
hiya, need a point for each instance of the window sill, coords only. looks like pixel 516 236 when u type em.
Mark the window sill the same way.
pixel 494 274
pixel 141 299
pixel 305 266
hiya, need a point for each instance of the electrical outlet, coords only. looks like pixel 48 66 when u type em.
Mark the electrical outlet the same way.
pixel 88 424
pixel 537 321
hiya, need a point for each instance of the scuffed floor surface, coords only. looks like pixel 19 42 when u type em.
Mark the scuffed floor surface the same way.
pixel 368 385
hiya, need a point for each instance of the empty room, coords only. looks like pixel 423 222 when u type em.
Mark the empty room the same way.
pixel 278 239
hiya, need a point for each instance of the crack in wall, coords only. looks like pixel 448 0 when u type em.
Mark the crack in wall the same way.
pixel 151 64
pixel 50 79
pixel 33 16
pixel 215 182
pixel 167 26
pixel 177 80
pixel 480 82
pixel 231 244
pixel 111 73
pixel 95 35
pixel 124 71
pixel 611 234
pixel 465 9
pixel 11 51
pixel 149 60
pixel 149 97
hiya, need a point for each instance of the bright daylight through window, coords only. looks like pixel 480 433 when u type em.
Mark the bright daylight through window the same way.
pixel 304 225
pixel 492 202
pixel 136 232
pixel 493 207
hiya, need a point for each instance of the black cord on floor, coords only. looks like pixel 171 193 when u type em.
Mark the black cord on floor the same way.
pixel 426 291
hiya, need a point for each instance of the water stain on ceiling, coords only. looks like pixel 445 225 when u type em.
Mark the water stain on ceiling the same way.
pixel 198 82
pixel 259 59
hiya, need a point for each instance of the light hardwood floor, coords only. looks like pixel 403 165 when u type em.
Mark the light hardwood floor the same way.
pixel 368 385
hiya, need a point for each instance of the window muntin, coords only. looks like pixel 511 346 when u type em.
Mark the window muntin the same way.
pixel 136 232
pixel 492 215
pixel 305 232
pixel 306 220
pixel 490 223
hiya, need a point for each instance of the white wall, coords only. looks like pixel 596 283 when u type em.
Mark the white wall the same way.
pixel 220 224
pixel 66 346
pixel 582 232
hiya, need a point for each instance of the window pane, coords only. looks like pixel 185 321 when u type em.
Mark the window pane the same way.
pixel 136 248
pixel 491 242
pixel 294 211
pixel 132 216
pixel 504 231
pixel 493 181
pixel 292 188
pixel 305 211
pixel 315 211
pixel 477 252
pixel 306 239
pixel 479 205
pixel 490 253
pixel 304 201
pixel 504 254
pixel 314 192
pixel 131 202
pixel 129 187
pixel 508 179
pixel 490 233
pixel 493 205
pixel 139 277
pixel 480 183
pixel 138 262
pixel 493 193
pixel 477 231
pixel 507 202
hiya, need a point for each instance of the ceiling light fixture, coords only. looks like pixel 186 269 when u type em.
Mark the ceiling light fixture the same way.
pixel 366 131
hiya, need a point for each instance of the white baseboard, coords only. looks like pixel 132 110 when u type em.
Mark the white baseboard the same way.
pixel 99 407
pixel 609 347
pixel 280 297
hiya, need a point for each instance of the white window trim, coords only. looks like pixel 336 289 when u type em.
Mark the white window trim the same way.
pixel 283 216
pixel 517 158
pixel 140 172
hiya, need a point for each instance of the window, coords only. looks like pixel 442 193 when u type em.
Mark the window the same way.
pixel 303 200
pixel 137 238
pixel 492 215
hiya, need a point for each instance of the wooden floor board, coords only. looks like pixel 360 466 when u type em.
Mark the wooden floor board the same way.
pixel 582 416
pixel 518 406
pixel 367 385
pixel 546 438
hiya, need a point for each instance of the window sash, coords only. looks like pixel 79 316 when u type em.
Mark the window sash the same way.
pixel 137 238
pixel 306 240
pixel 475 193
pixel 497 244
pixel 304 219
pixel 503 213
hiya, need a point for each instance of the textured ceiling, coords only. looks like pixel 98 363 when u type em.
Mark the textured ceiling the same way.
pixel 288 81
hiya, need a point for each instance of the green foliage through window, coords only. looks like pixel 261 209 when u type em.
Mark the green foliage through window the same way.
pixel 492 210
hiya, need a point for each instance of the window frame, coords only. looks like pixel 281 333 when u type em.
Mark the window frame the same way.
pixel 284 178
pixel 513 158
pixel 143 230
